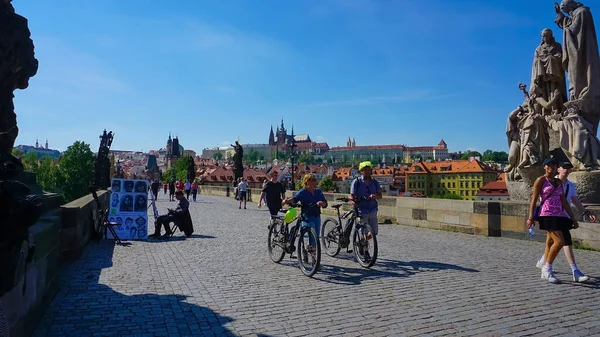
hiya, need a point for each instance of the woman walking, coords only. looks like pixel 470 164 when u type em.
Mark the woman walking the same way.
pixel 550 216
pixel 194 190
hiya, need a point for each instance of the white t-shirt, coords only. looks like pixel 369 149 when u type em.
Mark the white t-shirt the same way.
pixel 243 186
pixel 570 193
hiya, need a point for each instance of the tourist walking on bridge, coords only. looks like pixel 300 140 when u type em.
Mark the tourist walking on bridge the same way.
pixel 571 195
pixel 188 189
pixel 551 215
pixel 194 190
pixel 243 192
pixel 273 193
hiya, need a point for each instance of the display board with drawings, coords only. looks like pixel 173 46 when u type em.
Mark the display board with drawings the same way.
pixel 129 208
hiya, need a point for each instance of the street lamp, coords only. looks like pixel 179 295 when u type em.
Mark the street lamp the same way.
pixel 292 147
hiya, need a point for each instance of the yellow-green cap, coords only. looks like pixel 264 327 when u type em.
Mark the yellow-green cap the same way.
pixel 364 164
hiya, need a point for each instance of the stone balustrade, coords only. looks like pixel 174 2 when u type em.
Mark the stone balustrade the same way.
pixel 489 218
pixel 62 231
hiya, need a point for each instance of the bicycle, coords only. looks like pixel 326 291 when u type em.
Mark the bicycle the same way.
pixel 282 238
pixel 334 237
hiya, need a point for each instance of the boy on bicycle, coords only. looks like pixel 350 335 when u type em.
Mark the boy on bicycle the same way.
pixel 366 186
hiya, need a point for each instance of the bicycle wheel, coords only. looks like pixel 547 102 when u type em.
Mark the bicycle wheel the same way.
pixel 309 256
pixel 276 243
pixel 330 236
pixel 365 245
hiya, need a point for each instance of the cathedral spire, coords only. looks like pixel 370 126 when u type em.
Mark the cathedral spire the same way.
pixel 271 137
pixel 46 143
pixel 37 144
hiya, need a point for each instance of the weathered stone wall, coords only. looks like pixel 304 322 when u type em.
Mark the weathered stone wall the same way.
pixel 24 309
pixel 62 231
pixel 489 218
pixel 79 224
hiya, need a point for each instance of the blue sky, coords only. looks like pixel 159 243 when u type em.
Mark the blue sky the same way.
pixel 383 72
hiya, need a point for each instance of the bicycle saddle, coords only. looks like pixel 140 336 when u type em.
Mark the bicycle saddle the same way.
pixel 336 205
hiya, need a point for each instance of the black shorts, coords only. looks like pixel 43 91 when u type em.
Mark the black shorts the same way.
pixel 243 195
pixel 558 223
pixel 274 208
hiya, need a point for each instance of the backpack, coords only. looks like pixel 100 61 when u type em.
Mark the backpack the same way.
pixel 357 183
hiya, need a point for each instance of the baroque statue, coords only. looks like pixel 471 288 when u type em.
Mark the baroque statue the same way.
pixel 556 118
pixel 238 166
pixel 20 209
pixel 581 59
pixel 102 162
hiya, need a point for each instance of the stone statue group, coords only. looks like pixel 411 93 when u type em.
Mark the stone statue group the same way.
pixel 552 114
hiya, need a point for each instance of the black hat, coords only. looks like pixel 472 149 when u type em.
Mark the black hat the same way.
pixel 566 164
pixel 549 161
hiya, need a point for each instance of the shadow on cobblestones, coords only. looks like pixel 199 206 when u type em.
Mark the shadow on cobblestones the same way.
pixel 86 307
pixel 180 238
pixel 420 266
pixel 101 311
pixel 382 269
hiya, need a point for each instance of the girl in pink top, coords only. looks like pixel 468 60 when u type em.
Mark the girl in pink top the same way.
pixel 551 218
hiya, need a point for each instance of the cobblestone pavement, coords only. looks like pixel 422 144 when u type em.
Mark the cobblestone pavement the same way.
pixel 222 282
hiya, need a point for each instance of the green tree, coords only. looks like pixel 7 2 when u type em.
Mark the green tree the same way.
pixel 299 185
pixel 217 156
pixel 326 184
pixel 18 153
pixel 30 162
pixel 252 156
pixel 180 167
pixel 306 158
pixel 450 195
pixel 74 172
pixel 469 154
pixel 319 160
pixel 48 175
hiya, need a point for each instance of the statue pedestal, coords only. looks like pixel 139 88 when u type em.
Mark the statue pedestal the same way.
pixel 588 186
pixel 521 190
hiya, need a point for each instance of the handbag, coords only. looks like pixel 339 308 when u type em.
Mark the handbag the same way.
pixel 538 209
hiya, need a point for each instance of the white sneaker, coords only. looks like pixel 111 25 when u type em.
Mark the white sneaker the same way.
pixel 578 276
pixel 539 264
pixel 549 275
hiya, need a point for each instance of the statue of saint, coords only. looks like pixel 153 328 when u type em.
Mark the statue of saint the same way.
pixel 547 74
pixel 576 137
pixel 581 58
pixel 533 130
pixel 17 65
pixel 238 166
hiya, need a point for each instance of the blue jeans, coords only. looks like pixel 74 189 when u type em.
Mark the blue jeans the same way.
pixel 315 223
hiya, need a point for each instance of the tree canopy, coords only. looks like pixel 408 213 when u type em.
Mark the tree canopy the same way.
pixel 326 184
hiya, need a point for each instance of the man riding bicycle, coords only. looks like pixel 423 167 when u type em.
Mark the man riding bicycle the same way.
pixel 366 186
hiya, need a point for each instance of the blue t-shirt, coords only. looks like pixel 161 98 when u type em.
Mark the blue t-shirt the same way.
pixel 360 188
pixel 309 201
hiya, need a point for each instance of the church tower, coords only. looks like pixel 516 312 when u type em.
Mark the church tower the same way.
pixel 46 144
pixel 281 134
pixel 271 137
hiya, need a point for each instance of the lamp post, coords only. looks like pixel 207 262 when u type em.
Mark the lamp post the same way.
pixel 292 146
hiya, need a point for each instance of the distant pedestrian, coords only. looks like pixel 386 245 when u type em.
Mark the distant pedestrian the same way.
pixel 188 189
pixel 155 186
pixel 165 187
pixel 243 191
pixel 171 190
pixel 194 190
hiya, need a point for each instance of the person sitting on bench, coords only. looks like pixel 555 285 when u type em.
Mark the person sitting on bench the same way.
pixel 175 215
